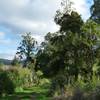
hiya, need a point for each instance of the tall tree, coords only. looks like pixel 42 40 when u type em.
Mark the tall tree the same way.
pixel 15 61
pixel 27 48
pixel 70 50
pixel 69 22
pixel 95 11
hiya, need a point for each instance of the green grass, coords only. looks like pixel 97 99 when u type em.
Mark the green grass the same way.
pixel 33 93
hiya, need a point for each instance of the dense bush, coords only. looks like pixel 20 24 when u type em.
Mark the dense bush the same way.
pixel 6 84
pixel 58 85
pixel 15 77
pixel 21 77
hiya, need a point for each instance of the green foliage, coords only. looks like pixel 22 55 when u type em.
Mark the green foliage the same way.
pixel 95 11
pixel 71 52
pixel 69 22
pixel 88 86
pixel 25 77
pixel 58 85
pixel 39 75
pixel 1 64
pixel 32 93
pixel 6 84
pixel 44 81
pixel 15 62
pixel 85 87
pixel 67 57
pixel 31 65
pixel 21 77
pixel 27 48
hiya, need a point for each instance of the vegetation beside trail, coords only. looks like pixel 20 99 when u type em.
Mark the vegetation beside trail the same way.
pixel 33 93
pixel 65 66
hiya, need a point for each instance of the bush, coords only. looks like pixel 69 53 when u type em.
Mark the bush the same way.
pixel 15 77
pixel 6 84
pixel 21 77
pixel 58 85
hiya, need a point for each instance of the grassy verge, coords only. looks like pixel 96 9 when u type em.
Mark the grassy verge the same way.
pixel 33 93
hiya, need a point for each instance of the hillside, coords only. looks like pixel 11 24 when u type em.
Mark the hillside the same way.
pixel 5 61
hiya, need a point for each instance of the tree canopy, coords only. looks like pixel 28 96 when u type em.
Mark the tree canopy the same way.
pixel 27 48
pixel 72 50
pixel 95 11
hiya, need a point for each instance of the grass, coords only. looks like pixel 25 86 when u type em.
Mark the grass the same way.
pixel 33 93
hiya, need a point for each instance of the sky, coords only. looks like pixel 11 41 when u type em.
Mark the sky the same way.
pixel 35 16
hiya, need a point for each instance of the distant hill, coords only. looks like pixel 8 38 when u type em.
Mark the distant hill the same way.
pixel 5 61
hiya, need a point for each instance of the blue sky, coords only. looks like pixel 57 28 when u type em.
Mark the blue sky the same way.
pixel 36 16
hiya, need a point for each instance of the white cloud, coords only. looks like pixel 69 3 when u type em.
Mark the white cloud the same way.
pixel 82 7
pixel 6 56
pixel 4 40
pixel 39 38
pixel 34 16
pixel 27 15
pixel 2 34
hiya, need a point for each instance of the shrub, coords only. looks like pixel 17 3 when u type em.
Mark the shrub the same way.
pixel 6 84
pixel 38 76
pixel 21 77
pixel 15 77
pixel 15 62
pixel 44 81
pixel 58 85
